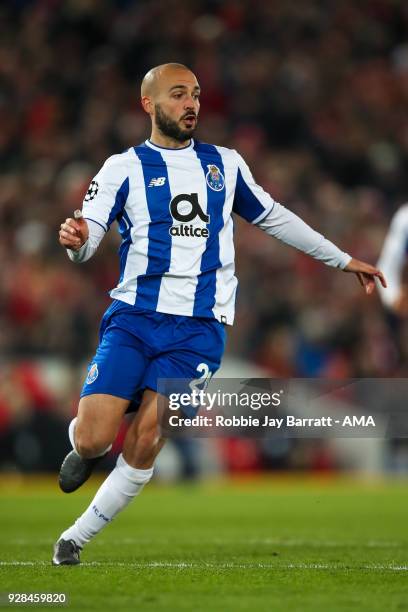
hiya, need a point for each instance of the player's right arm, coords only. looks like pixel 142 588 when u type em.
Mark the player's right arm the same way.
pixel 392 260
pixel 81 238
pixel 103 204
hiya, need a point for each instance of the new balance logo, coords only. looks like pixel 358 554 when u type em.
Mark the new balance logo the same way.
pixel 157 182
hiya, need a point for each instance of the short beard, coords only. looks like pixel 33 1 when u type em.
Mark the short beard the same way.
pixel 169 127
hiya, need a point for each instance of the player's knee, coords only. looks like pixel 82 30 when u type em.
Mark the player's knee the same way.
pixel 88 445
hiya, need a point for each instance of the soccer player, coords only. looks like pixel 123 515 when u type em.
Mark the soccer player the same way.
pixel 392 260
pixel 172 198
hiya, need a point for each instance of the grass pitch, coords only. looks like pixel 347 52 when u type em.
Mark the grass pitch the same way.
pixel 257 545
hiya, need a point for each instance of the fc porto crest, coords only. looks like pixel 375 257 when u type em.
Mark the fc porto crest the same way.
pixel 92 374
pixel 214 177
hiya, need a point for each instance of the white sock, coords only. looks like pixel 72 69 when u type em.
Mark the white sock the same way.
pixel 115 493
pixel 71 430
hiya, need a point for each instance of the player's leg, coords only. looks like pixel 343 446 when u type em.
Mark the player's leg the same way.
pixel 116 371
pixel 143 441
pixel 186 349
pixel 91 433
pixel 114 376
pixel 134 469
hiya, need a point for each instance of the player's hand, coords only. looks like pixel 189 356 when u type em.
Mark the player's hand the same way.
pixel 73 233
pixel 366 274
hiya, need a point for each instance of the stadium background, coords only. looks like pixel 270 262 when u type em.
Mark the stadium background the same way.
pixel 312 94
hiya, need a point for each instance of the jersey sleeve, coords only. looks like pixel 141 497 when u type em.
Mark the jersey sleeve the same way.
pixel 96 233
pixel 289 228
pixel 393 256
pixel 251 202
pixel 107 193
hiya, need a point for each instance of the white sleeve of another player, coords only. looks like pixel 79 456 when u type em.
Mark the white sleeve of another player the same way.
pixel 288 227
pixel 96 233
pixel 393 256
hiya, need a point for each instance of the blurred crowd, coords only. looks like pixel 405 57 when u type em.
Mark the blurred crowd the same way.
pixel 312 94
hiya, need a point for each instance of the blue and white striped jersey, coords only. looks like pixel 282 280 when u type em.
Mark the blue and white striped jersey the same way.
pixel 174 208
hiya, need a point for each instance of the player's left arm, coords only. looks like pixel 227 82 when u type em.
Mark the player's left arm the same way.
pixel 256 206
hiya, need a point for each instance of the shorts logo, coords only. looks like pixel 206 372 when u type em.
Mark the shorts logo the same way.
pixel 214 177
pixel 92 191
pixel 92 374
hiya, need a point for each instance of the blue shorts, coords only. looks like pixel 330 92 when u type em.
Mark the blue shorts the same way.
pixel 138 347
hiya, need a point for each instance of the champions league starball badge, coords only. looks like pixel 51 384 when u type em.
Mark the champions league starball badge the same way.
pixel 92 191
pixel 214 178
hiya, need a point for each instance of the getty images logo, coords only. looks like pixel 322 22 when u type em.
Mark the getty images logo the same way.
pixel 185 208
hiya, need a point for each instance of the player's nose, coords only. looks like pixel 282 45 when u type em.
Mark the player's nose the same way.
pixel 190 103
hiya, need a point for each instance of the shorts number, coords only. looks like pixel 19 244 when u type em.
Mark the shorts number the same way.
pixel 203 369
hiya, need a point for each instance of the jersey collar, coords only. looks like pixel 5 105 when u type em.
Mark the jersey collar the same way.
pixel 149 144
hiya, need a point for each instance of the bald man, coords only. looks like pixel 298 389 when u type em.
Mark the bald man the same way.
pixel 172 198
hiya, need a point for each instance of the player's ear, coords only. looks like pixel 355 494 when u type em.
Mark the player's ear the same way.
pixel 147 104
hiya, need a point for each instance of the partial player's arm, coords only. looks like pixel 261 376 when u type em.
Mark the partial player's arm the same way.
pixel 103 203
pixel 288 227
pixel 392 260
pixel 81 238
pixel 256 206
